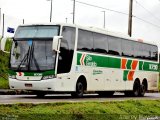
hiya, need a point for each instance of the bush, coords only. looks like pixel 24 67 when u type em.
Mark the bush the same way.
pixel 4 60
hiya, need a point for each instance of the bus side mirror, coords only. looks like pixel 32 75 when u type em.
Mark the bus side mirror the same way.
pixel 56 43
pixel 3 45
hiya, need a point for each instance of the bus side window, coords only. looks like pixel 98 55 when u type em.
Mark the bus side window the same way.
pixel 154 53
pixel 127 48
pixel 100 43
pixel 114 45
pixel 85 40
pixel 138 50
pixel 146 51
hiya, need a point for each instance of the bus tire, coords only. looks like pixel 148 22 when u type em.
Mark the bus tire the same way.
pixel 136 88
pixel 79 90
pixel 143 88
pixel 40 94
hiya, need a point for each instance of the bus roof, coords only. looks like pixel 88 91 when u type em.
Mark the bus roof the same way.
pixel 95 29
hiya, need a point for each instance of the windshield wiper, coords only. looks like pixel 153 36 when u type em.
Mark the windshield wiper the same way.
pixel 24 59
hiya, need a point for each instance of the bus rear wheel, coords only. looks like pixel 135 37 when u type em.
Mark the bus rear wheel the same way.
pixel 136 90
pixel 79 90
pixel 142 90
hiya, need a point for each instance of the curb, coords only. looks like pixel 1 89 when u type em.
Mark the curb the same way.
pixel 14 92
pixel 7 92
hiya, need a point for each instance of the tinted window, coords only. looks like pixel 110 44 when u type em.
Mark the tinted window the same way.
pixel 154 53
pixel 138 50
pixel 37 31
pixel 146 51
pixel 68 40
pixel 100 43
pixel 114 45
pixel 127 48
pixel 85 40
pixel 66 50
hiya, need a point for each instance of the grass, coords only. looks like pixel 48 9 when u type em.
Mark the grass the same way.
pixel 110 110
pixel 4 83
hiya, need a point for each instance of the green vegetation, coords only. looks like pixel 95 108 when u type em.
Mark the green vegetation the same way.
pixel 4 59
pixel 110 110
pixel 4 83
pixel 159 75
pixel 4 62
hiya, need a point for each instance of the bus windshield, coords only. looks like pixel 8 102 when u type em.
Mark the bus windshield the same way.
pixel 36 31
pixel 32 48
pixel 32 56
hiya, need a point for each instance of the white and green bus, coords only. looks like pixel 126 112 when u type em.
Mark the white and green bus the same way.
pixel 65 58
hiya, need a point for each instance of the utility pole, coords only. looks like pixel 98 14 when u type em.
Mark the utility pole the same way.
pixel 104 20
pixel 3 27
pixel 23 21
pixel 66 20
pixel 0 17
pixel 74 10
pixel 51 12
pixel 130 18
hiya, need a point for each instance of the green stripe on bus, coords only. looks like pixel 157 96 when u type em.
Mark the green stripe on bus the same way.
pixel 140 65
pixel 125 75
pixel 111 62
pixel 50 72
pixel 129 64
pixel 11 72
pixel 98 61
pixel 149 66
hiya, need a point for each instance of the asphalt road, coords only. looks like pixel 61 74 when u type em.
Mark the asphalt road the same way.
pixel 10 99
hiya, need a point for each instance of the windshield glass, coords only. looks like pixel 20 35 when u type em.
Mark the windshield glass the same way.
pixel 32 55
pixel 32 48
pixel 36 31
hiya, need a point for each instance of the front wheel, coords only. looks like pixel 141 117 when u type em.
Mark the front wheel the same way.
pixel 40 94
pixel 79 90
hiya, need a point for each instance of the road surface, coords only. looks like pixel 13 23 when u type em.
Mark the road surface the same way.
pixel 11 99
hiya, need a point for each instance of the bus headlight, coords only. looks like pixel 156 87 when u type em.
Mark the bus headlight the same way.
pixel 12 76
pixel 48 77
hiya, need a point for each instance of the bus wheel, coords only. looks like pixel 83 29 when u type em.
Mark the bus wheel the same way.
pixel 79 90
pixel 136 88
pixel 142 90
pixel 40 94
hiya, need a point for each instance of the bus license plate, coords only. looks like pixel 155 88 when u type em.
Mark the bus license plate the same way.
pixel 28 85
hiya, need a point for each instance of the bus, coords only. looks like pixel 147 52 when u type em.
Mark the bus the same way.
pixel 67 58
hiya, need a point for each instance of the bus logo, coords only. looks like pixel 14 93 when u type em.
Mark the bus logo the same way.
pixel 20 73
pixel 87 60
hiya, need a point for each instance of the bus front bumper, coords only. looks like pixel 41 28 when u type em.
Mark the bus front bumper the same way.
pixel 39 85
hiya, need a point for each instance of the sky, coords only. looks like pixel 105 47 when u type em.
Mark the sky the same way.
pixel 146 20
